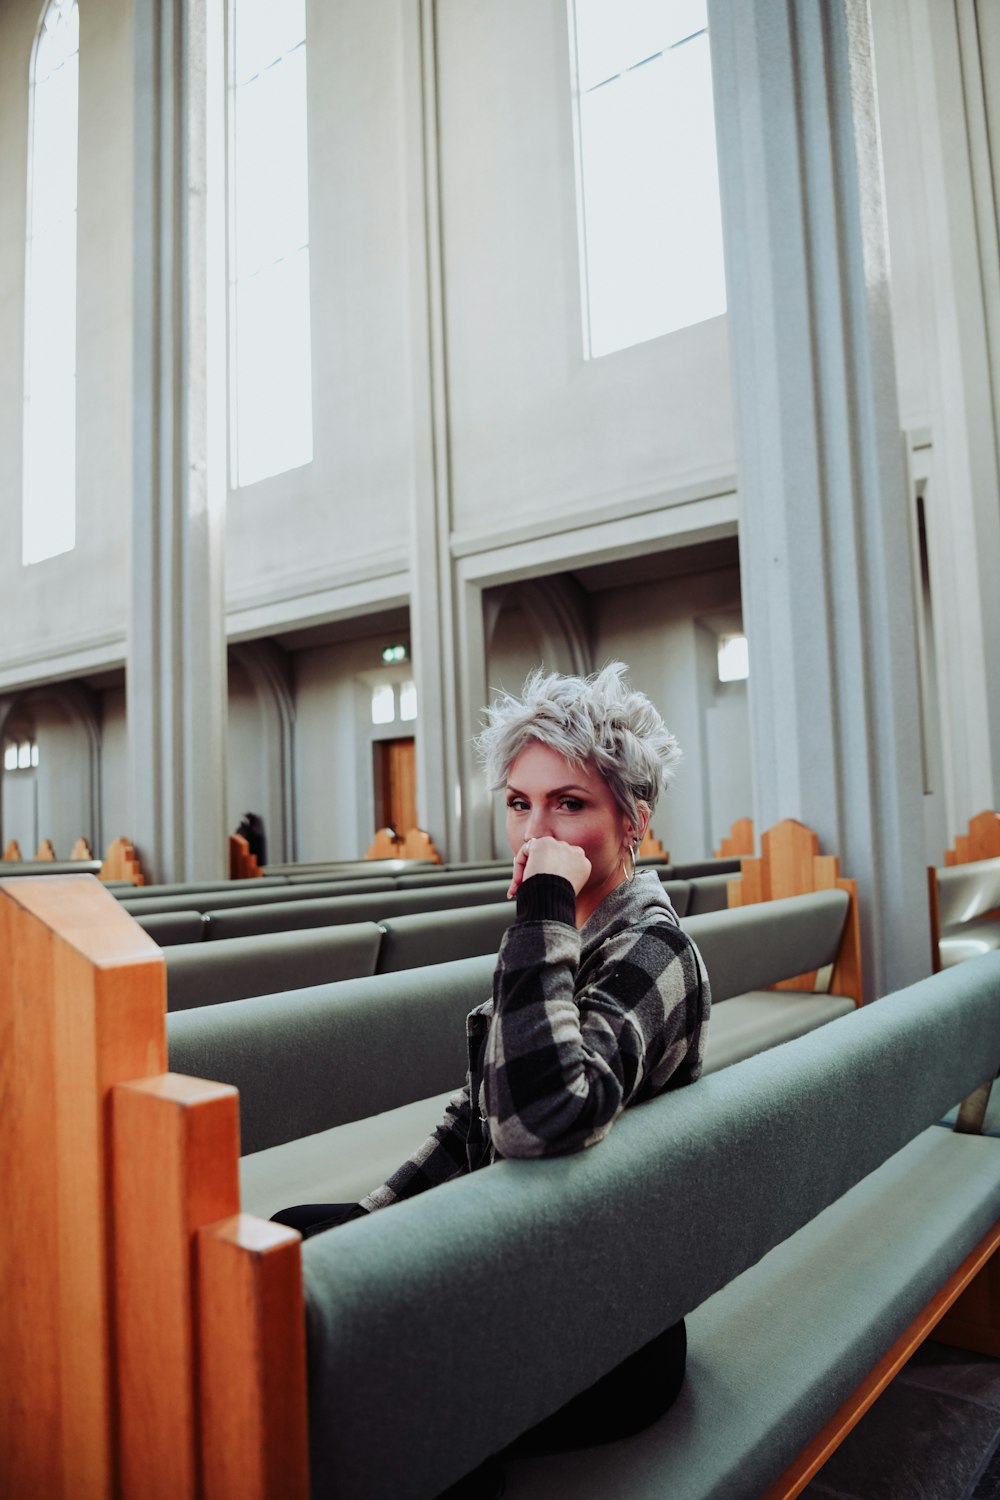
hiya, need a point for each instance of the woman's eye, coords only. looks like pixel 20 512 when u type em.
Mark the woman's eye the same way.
pixel 516 804
pixel 571 804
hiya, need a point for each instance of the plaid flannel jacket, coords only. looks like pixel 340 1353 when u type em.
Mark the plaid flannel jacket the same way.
pixel 581 1025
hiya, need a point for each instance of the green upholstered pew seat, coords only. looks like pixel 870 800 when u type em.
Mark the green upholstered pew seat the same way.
pixel 237 921
pixel 796 1207
pixel 171 928
pixel 235 968
pixel 310 1061
pixel 240 893
pixel 968 898
pixel 421 938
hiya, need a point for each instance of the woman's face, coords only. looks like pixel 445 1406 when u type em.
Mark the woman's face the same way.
pixel 547 794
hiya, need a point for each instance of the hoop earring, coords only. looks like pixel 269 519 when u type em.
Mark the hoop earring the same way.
pixel 629 875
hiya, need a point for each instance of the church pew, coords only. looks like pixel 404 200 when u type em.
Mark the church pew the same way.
pixel 188 887
pixel 421 938
pixel 964 897
pixel 122 1372
pixel 355 867
pixel 171 929
pixel 309 1063
pixel 237 921
pixel 170 1172
pixel 982 841
pixel 250 893
pixel 231 968
pixel 693 869
pixel 236 968
pixel 790 864
pixel 964 917
pixel 804 1290
pixel 739 841
pixel 11 868
pixel 933 1167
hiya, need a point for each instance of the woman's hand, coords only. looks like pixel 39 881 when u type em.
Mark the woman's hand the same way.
pixel 549 856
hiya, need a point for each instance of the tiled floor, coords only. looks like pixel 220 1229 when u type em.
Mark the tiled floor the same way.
pixel 934 1434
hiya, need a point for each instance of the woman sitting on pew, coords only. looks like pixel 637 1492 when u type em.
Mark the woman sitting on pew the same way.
pixel 600 1000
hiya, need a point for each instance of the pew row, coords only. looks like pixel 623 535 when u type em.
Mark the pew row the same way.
pixel 807 1275
pixel 790 864
pixel 239 968
pixel 981 841
pixel 195 920
pixel 210 973
pixel 340 1082
pixel 808 1272
pixel 964 911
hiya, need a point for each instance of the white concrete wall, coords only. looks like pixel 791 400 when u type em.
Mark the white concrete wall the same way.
pixel 63 787
pixel 537 432
pixel 116 811
pixel 665 634
pixel 245 783
pixel 74 606
pixel 333 745
pixel 20 811
pixel 346 513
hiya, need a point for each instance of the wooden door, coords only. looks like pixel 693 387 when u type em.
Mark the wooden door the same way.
pixel 395 778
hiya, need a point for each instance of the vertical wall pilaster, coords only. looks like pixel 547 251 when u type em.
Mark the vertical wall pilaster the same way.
pixel 825 538
pixel 952 61
pixel 432 616
pixel 176 653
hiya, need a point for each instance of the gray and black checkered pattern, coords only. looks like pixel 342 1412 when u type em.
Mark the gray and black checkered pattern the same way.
pixel 581 1025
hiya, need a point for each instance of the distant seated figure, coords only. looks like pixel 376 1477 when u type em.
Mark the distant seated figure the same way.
pixel 600 999
pixel 252 829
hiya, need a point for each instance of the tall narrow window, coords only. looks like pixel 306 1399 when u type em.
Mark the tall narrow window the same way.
pixel 49 487
pixel 270 347
pixel 648 182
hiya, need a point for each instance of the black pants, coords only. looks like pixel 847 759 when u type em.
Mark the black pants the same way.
pixel 313 1218
pixel 630 1397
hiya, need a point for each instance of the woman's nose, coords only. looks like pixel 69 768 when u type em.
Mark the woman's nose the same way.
pixel 538 823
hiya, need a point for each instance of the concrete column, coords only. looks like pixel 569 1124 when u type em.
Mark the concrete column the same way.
pixel 952 60
pixel 442 716
pixel 176 653
pixel 825 529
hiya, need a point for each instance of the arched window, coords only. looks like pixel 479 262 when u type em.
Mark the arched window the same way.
pixel 49 486
pixel 270 345
pixel 647 175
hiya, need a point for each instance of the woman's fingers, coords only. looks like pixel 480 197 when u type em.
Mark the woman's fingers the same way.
pixel 520 860
pixel 549 856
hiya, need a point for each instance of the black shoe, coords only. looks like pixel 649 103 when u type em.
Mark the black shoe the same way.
pixel 485 1482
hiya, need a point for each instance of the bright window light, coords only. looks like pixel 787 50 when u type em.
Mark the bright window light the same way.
pixel 408 700
pixel 648 182
pixel 49 483
pixel 271 350
pixel 10 757
pixel 383 703
pixel 734 658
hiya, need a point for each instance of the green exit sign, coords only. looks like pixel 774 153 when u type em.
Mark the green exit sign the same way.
pixel 394 653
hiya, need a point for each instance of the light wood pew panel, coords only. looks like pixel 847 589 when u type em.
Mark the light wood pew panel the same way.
pixel 739 840
pixel 651 848
pixel 82 1002
pixel 416 844
pixel 242 864
pixel 122 863
pixel 981 842
pixel 790 864
pixel 124 1371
